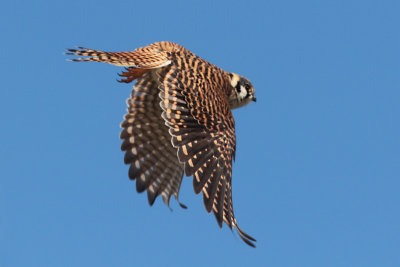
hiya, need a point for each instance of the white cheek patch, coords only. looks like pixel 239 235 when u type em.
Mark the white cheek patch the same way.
pixel 243 92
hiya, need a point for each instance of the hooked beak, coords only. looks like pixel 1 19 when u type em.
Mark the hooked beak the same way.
pixel 254 99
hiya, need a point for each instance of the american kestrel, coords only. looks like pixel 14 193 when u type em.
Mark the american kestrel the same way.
pixel 179 122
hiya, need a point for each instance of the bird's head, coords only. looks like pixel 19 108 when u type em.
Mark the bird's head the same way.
pixel 242 91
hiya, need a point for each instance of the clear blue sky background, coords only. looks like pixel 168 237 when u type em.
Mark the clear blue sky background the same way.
pixel 316 178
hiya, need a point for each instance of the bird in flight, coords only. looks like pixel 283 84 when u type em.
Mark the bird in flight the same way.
pixel 179 121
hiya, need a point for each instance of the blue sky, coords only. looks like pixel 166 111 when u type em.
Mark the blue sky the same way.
pixel 316 177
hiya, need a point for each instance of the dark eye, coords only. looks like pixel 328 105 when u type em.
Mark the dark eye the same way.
pixel 247 86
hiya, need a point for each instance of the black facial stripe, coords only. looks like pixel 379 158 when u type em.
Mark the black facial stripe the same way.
pixel 238 87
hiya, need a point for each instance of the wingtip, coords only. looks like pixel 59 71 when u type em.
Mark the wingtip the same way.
pixel 246 238
pixel 70 51
pixel 218 219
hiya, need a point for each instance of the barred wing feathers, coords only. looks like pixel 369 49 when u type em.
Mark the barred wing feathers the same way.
pixel 202 128
pixel 147 145
pixel 148 57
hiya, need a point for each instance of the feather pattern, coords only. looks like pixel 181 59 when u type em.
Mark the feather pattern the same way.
pixel 147 144
pixel 202 131
pixel 179 122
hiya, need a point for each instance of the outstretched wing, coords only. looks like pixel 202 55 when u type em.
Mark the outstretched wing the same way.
pixel 148 57
pixel 197 112
pixel 146 141
pixel 147 144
